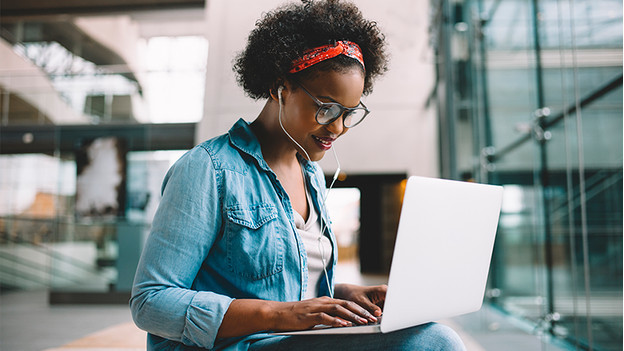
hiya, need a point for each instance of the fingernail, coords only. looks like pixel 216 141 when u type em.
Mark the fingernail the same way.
pixel 363 321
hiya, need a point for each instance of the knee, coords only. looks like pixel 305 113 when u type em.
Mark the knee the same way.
pixel 441 337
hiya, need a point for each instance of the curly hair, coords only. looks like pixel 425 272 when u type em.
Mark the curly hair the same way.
pixel 282 35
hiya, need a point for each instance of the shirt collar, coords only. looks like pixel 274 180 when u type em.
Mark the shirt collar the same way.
pixel 243 138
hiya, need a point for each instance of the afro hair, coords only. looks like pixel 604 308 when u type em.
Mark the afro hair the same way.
pixel 282 35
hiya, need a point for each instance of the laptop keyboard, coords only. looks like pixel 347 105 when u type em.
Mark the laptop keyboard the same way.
pixel 323 326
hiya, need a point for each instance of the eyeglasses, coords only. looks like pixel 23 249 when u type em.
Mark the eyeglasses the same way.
pixel 328 112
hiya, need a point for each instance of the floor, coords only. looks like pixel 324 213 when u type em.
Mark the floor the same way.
pixel 29 323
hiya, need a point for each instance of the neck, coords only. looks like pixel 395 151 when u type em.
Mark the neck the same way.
pixel 277 149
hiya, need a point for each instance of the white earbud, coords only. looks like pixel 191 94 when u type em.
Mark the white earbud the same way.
pixel 279 93
pixel 279 96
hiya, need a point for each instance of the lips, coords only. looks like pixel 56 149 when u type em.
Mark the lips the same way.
pixel 324 143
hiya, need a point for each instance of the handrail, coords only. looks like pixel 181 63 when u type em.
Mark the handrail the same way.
pixel 602 179
pixel 590 98
pixel 20 273
pixel 19 265
pixel 55 255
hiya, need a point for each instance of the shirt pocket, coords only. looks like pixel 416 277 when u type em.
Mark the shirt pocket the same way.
pixel 254 241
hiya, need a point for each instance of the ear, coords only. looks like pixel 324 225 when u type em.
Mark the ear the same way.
pixel 276 92
pixel 278 87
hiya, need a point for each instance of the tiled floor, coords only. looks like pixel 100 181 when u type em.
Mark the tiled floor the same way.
pixel 28 323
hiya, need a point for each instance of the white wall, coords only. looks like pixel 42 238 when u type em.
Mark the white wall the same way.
pixel 399 136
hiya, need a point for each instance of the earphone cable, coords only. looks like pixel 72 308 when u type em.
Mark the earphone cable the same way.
pixel 335 177
pixel 279 96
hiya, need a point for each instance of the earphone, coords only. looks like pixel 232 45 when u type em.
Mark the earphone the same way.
pixel 279 97
pixel 335 177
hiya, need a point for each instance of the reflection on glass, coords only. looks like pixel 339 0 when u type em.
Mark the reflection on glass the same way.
pixel 55 78
pixel 343 205
pixel 536 106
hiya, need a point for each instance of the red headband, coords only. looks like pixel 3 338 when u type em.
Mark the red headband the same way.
pixel 322 53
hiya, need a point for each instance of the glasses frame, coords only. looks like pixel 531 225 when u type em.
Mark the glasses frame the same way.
pixel 343 109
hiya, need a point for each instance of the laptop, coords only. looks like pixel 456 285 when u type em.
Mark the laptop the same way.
pixel 441 256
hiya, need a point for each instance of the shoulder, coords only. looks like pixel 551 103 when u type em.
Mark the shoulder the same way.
pixel 202 161
pixel 216 154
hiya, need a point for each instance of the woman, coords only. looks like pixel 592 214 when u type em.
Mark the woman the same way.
pixel 240 244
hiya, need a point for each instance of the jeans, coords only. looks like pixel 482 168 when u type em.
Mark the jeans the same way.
pixel 426 337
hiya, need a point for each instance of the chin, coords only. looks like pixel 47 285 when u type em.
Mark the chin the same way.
pixel 317 156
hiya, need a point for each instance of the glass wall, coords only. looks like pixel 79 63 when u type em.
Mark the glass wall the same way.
pixel 530 97
pixel 84 126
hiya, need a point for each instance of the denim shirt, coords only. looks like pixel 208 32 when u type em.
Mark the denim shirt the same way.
pixel 224 230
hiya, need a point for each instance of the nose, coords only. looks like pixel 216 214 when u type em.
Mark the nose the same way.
pixel 337 126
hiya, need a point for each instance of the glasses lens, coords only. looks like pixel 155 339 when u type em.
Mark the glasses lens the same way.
pixel 328 113
pixel 355 117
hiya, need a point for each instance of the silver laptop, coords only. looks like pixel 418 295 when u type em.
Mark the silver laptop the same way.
pixel 441 255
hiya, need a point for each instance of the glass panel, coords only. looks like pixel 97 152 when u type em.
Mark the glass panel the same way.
pixel 146 171
pixel 343 204
pixel 73 216
pixel 558 256
pixel 55 78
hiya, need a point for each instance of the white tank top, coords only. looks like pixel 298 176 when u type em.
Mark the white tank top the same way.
pixel 309 231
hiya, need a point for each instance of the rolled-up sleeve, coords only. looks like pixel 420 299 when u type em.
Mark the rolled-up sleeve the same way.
pixel 184 229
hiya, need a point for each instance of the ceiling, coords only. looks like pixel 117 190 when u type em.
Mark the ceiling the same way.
pixel 20 9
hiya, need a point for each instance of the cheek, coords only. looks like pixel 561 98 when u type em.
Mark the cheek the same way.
pixel 295 111
pixel 302 118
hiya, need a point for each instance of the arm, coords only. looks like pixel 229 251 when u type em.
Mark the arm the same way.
pixel 251 316
pixel 183 231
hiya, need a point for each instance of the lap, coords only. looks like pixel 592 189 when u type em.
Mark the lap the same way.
pixel 426 337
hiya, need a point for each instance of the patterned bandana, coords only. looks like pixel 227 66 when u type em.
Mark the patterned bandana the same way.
pixel 322 53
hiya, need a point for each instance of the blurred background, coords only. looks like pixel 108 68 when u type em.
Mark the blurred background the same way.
pixel 98 98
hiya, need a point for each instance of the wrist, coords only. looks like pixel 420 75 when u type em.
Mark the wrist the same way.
pixel 269 313
pixel 340 291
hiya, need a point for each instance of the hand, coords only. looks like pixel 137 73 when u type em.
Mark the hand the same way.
pixel 306 314
pixel 371 298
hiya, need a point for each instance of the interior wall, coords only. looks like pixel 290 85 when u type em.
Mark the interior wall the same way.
pixel 400 134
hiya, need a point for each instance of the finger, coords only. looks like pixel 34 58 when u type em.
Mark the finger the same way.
pixel 347 310
pixel 378 296
pixel 362 315
pixel 371 307
pixel 326 319
pixel 338 309
pixel 378 293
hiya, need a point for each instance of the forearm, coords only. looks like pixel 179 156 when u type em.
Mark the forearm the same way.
pixel 247 316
